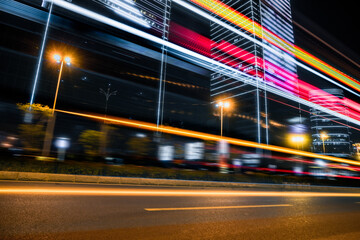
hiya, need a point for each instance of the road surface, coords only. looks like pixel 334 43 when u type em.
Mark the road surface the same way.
pixel 85 211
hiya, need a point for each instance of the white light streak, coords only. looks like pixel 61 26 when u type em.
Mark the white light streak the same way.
pixel 281 55
pixel 198 58
pixel 41 55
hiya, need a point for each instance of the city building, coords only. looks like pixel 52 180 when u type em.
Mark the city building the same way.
pixel 244 50
pixel 330 134
pixel 135 66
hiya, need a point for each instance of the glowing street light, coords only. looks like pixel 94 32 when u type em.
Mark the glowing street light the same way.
pixel 222 105
pixel 297 139
pixel 324 136
pixel 57 58
pixel 60 60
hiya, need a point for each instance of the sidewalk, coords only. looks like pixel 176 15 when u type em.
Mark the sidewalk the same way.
pixel 72 178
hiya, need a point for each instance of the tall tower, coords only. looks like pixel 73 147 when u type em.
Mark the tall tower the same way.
pixel 239 52
pixel 337 142
pixel 260 64
pixel 276 17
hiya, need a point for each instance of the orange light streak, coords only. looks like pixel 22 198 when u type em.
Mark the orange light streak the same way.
pixel 206 136
pixel 175 193
pixel 233 16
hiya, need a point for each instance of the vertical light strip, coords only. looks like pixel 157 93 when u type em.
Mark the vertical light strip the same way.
pixel 265 82
pixel 41 55
pixel 163 63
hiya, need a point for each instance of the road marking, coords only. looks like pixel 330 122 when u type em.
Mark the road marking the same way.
pixel 219 207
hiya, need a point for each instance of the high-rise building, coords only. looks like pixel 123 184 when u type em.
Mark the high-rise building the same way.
pixel 330 134
pixel 244 49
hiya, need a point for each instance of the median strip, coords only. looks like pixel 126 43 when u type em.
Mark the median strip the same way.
pixel 211 208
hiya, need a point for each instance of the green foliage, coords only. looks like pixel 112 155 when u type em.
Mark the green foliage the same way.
pixel 32 135
pixel 94 168
pixel 90 139
pixel 139 145
pixel 38 111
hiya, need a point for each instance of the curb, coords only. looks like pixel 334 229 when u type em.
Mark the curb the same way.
pixel 53 177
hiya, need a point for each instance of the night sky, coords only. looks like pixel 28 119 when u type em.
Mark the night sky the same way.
pixel 339 18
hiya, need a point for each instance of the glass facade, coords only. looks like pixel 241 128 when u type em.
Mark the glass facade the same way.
pixel 168 63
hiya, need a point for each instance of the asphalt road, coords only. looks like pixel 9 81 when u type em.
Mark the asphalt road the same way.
pixel 84 211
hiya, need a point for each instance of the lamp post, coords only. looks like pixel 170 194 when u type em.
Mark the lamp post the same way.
pixel 324 136
pixel 107 94
pixel 222 105
pixel 104 129
pixel 357 147
pixel 51 122
pixel 297 139
pixel 60 60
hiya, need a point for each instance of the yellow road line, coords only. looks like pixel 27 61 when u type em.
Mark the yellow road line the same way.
pixel 210 208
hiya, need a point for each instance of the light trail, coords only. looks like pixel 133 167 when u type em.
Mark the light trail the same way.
pixel 281 55
pixel 41 55
pixel 206 136
pixel 226 12
pixel 303 110
pixel 215 208
pixel 174 193
pixel 310 33
pixel 327 44
pixel 195 57
pixel 283 79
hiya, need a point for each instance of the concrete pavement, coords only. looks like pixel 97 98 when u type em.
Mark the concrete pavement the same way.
pixel 40 210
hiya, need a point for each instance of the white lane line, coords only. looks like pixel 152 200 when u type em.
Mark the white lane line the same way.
pixel 219 207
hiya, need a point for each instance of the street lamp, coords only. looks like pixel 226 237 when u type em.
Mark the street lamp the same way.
pixel 324 136
pixel 222 105
pixel 104 129
pixel 357 146
pixel 107 94
pixel 51 122
pixel 297 139
pixel 61 60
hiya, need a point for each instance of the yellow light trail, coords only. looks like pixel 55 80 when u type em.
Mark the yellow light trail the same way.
pixel 170 193
pixel 226 12
pixel 206 136
pixel 218 207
